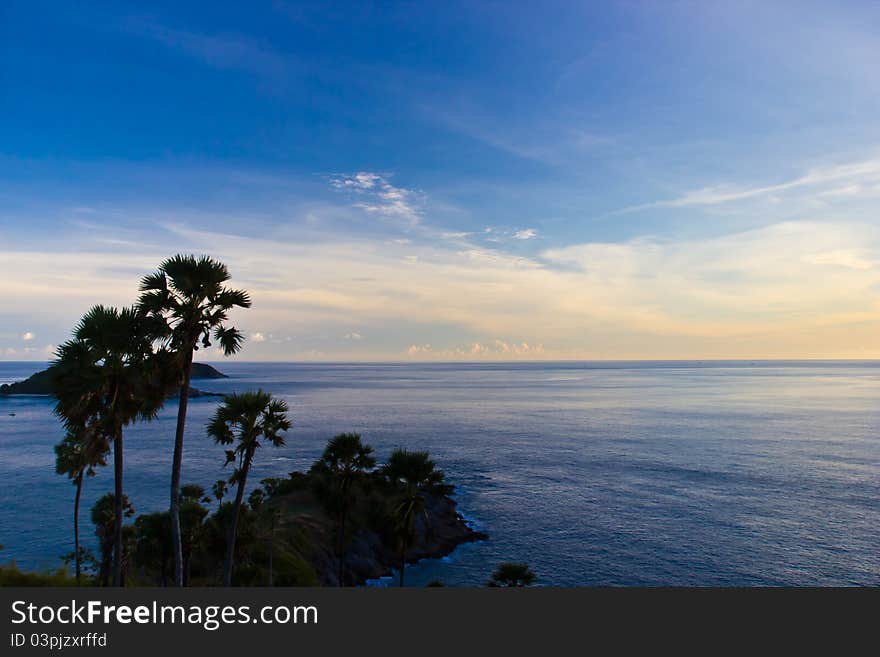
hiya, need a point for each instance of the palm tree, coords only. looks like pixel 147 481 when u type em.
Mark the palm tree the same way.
pixel 192 516
pixel 512 575
pixel 274 514
pixel 219 490
pixel 414 475
pixel 109 374
pixel 76 456
pixel 105 521
pixel 245 419
pixel 345 460
pixel 190 297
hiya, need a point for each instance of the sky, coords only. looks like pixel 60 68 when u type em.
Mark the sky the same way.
pixel 452 180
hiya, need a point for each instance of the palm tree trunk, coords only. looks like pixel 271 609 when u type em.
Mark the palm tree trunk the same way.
pixel 175 470
pixel 402 563
pixel 230 548
pixel 342 548
pixel 79 483
pixel 117 509
pixel 271 551
pixel 187 567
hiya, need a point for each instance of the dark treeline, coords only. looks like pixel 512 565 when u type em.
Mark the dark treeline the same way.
pixel 293 531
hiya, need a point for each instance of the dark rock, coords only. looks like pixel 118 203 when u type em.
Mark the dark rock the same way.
pixel 41 384
pixel 195 393
pixel 36 384
pixel 205 371
pixel 438 533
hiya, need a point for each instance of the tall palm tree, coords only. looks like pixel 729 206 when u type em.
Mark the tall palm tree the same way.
pixel 245 419
pixel 414 475
pixel 109 374
pixel 190 297
pixel 76 456
pixel 345 460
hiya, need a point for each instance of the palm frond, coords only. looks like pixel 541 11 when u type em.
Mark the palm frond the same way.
pixel 230 339
pixel 229 298
pixel 156 282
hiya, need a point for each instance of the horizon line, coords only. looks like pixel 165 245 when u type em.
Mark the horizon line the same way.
pixel 529 360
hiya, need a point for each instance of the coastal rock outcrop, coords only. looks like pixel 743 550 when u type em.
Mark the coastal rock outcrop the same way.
pixel 40 383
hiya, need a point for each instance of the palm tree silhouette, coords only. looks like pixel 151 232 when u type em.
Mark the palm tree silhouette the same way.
pixel 76 456
pixel 189 295
pixel 105 521
pixel 219 490
pixel 109 374
pixel 345 460
pixel 245 419
pixel 414 475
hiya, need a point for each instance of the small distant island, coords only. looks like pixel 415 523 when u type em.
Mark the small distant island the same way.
pixel 40 383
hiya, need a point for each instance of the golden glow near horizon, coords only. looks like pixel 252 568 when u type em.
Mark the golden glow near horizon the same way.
pixel 792 289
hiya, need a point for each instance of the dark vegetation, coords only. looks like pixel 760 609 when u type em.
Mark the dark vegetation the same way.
pixel 289 531
pixel 512 575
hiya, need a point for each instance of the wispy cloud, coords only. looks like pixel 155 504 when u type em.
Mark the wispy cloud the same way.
pixel 378 196
pixel 222 51
pixel 525 234
pixel 27 336
pixel 549 141
pixel 861 177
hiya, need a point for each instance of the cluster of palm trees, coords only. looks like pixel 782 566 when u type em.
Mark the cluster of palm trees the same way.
pixel 120 367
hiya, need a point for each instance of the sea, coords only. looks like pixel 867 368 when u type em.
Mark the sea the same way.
pixel 712 473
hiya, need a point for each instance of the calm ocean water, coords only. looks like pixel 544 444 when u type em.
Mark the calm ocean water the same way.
pixel 721 473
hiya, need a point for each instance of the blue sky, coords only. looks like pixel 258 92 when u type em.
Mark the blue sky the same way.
pixel 469 180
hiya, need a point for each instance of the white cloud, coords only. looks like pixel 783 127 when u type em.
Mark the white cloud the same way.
pixel 27 336
pixel 526 234
pixel 520 349
pixel 353 336
pixel 492 350
pixel 361 181
pixel 258 337
pixel 380 196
